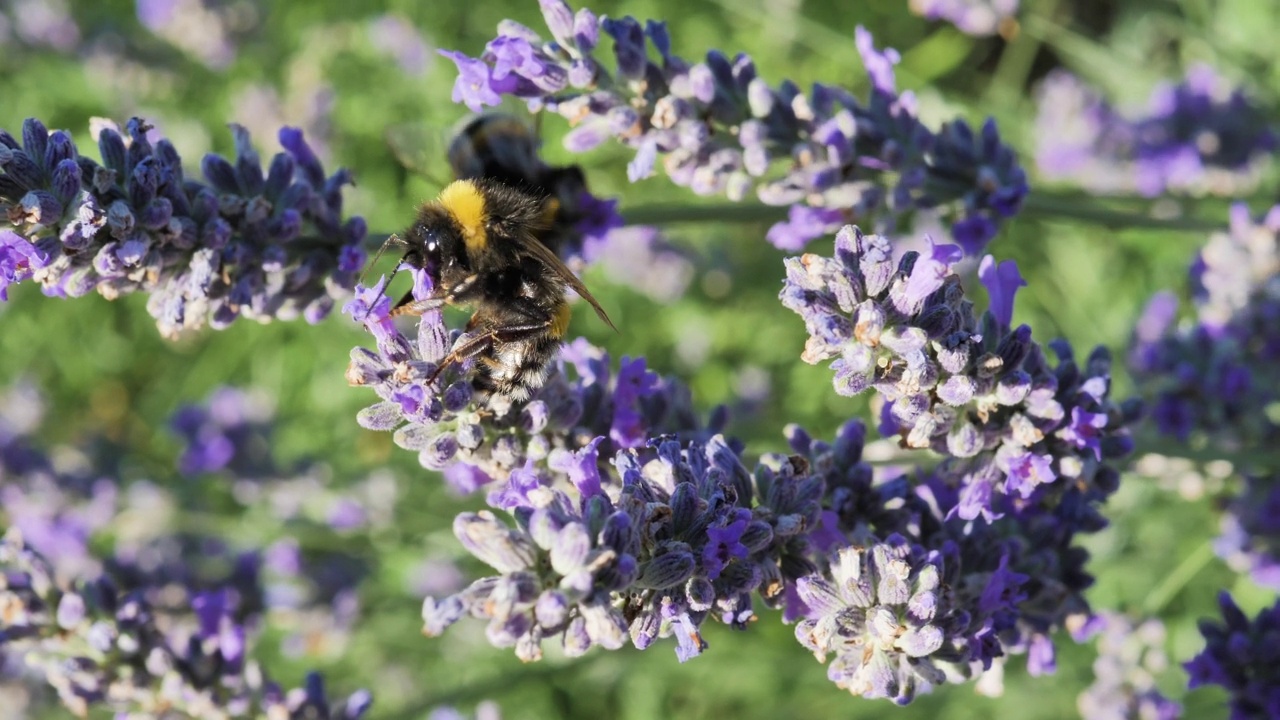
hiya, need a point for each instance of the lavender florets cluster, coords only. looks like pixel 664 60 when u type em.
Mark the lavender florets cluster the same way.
pixel 1130 656
pixel 720 129
pixel 973 17
pixel 1010 424
pixel 573 419
pixel 97 646
pixel 1216 377
pixel 620 532
pixel 1243 657
pixel 262 245
pixel 1217 374
pixel 168 615
pixel 1199 136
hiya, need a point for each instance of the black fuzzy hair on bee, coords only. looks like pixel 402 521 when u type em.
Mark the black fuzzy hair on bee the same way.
pixel 480 241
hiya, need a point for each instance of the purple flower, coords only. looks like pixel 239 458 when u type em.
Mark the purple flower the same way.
pixel 1002 282
pixel 204 254
pixel 879 64
pixel 974 17
pixel 1083 430
pixel 19 258
pixel 725 543
pixel 719 127
pixel 1240 655
pixel 802 225
pixel 1200 135
pixel 1028 471
pixel 1217 374
pixel 474 86
pixel 635 382
pixel 1130 656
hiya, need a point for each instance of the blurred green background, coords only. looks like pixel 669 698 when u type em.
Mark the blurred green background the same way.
pixel 332 67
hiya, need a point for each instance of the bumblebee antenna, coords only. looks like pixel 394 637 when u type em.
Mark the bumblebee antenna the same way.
pixel 392 239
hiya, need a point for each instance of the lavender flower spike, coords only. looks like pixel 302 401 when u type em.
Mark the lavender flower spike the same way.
pixel 973 389
pixel 1217 375
pixel 1242 656
pixel 718 128
pixel 99 648
pixel 1199 136
pixel 974 17
pixel 259 244
pixel 1130 655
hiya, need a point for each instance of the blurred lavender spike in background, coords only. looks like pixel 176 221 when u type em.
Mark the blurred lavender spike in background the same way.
pixel 1198 136
pixel 716 128
pixel 974 17
pixel 1130 657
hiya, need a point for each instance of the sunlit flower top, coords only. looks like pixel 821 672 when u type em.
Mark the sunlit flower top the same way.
pixel 263 245
pixel 720 129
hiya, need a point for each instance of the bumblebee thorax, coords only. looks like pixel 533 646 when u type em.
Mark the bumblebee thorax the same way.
pixel 464 201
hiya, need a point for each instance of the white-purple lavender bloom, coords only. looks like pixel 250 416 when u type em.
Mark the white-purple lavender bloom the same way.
pixel 1216 374
pixel 972 389
pixel 1199 136
pixel 1250 527
pixel 259 244
pixel 56 506
pixel 230 431
pixel 720 129
pixel 1241 655
pixel 582 400
pixel 1130 656
pixel 198 28
pixel 101 648
pixel 974 17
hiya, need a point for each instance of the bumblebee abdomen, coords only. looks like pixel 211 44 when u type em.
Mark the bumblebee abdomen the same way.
pixel 516 369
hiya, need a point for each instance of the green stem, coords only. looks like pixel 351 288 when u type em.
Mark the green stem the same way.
pixel 1047 205
pixel 1039 204
pixel 1175 581
pixel 1016 61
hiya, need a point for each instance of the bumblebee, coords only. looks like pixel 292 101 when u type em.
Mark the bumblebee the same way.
pixel 504 148
pixel 481 242
pixel 501 147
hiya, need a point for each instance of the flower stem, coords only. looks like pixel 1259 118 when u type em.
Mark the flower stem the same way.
pixel 1175 581
pixel 1039 204
pixel 1049 205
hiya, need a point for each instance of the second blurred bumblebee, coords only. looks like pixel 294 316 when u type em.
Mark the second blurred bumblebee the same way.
pixel 503 148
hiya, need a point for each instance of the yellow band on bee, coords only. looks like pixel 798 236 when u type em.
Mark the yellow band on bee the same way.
pixel 560 323
pixel 465 203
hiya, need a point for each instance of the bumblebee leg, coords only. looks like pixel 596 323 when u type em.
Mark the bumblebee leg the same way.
pixel 409 306
pixel 464 350
pixel 472 347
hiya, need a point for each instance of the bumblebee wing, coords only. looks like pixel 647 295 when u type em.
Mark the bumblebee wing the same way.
pixel 534 247
pixel 417 147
